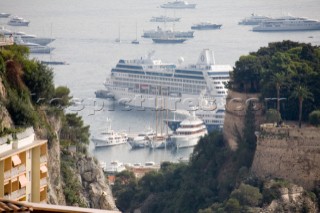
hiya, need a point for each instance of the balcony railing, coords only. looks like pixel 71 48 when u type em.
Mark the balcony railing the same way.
pixel 16 194
pixel 15 171
pixel 43 159
pixel 43 182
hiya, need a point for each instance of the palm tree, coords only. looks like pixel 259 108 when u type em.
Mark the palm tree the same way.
pixel 302 93
pixel 278 80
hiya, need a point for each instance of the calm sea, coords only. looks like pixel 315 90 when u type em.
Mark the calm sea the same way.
pixel 85 32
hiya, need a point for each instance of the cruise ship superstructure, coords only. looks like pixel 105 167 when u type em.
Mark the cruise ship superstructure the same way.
pixel 288 23
pixel 141 81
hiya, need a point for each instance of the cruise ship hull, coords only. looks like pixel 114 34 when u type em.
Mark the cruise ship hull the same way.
pixel 181 104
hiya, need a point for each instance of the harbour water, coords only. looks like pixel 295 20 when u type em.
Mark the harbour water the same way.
pixel 85 33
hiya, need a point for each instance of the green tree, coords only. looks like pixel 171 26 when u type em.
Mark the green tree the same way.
pixel 314 118
pixel 233 206
pixel 247 195
pixel 273 116
pixel 278 80
pixel 61 95
pixel 302 93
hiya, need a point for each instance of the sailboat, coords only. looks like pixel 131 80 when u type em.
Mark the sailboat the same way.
pixel 136 40
pixel 158 141
pixel 118 40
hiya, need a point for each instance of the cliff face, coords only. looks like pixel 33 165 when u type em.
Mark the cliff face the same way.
pixel 290 153
pixel 236 104
pixel 5 119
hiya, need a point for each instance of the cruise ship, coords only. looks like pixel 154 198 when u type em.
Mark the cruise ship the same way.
pixel 140 82
pixel 288 23
pixel 254 19
pixel 159 32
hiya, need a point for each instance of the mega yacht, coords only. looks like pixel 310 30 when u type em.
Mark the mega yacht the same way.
pixel 254 19
pixel 141 81
pixel 288 23
pixel 33 38
pixel 34 48
pixel 178 5
pixel 164 19
pixel 18 21
pixel 109 137
pixel 205 26
pixel 4 15
pixel 189 133
pixel 159 32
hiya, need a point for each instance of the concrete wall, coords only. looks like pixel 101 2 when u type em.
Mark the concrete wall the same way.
pixel 290 153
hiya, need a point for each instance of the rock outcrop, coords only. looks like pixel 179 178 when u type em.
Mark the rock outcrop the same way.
pixel 5 119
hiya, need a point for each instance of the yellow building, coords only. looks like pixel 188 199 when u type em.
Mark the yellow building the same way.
pixel 23 167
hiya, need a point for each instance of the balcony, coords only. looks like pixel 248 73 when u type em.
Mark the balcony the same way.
pixel 43 182
pixel 16 194
pixel 15 171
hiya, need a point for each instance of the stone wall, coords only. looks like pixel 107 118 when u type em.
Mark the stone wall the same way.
pixel 289 153
pixel 236 104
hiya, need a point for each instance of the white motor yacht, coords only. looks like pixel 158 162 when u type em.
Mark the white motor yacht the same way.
pixel 33 38
pixel 178 5
pixel 288 23
pixel 18 21
pixel 142 140
pixel 33 48
pixel 189 133
pixel 109 137
pixel 254 19
pixel 115 167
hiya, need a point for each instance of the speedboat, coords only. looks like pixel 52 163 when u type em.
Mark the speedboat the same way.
pixel 254 19
pixel 163 19
pixel 189 133
pixel 18 21
pixel 4 15
pixel 205 26
pixel 178 5
pixel 109 137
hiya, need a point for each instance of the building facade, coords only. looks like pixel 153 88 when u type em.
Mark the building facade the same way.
pixel 23 167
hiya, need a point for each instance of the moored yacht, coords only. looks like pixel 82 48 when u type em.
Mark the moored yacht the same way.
pixel 254 19
pixel 205 26
pixel 164 19
pixel 170 33
pixel 34 48
pixel 142 140
pixel 189 133
pixel 109 137
pixel 178 5
pixel 18 21
pixel 288 23
pixel 4 15
pixel 33 38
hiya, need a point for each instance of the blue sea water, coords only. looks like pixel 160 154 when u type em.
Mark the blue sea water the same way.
pixel 85 33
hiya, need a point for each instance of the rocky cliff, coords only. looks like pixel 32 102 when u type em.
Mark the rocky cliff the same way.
pixel 290 153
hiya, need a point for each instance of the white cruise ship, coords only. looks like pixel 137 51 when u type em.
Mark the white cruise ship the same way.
pixel 178 5
pixel 140 82
pixel 189 133
pixel 288 23
pixel 254 19
pixel 160 33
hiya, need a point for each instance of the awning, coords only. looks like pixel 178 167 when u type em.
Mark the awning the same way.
pixel 22 181
pixel 16 160
pixel 43 169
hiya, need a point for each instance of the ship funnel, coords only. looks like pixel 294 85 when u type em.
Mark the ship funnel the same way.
pixel 206 57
